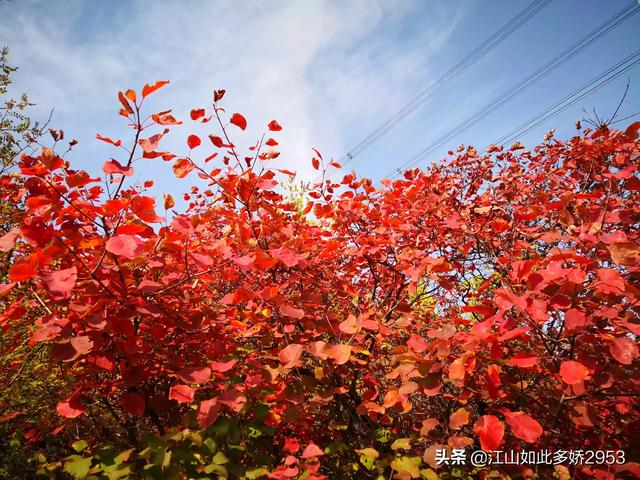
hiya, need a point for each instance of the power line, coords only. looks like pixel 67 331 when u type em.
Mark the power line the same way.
pixel 467 62
pixel 587 89
pixel 604 28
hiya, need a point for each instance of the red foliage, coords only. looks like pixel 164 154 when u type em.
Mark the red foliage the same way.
pixel 491 300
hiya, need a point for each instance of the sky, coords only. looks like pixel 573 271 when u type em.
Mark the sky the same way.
pixel 330 72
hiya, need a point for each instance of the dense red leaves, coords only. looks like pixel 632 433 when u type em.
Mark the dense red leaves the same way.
pixel 488 301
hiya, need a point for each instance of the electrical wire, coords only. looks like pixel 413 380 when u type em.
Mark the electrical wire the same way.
pixel 441 83
pixel 608 25
pixel 561 105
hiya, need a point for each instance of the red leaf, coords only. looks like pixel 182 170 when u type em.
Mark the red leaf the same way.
pixel 149 89
pixel 61 282
pixel 233 399
pixel 165 118
pixel 573 372
pixel 113 167
pixel 610 281
pixel 222 367
pixel 311 451
pixel 218 94
pixel 274 126
pixel 523 426
pixel 271 142
pixel 144 208
pixel 291 311
pixel 315 163
pixel 181 393
pixel 207 413
pixel 632 130
pixel 5 288
pixel 117 143
pixel 197 113
pixel 195 374
pixel 132 403
pixel 168 201
pixel 71 349
pixel 290 355
pixel 291 445
pixel 624 350
pixel 523 360
pixel 71 407
pixel 193 141
pixel 339 353
pixel 490 431
pixel 217 141
pixel 131 95
pixel 239 121
pixel 459 418
pixel 417 343
pixel 150 144
pixel 128 246
pixel 24 269
pixel 126 107
pixel 8 240
pixel 287 256
pixel 349 326
pixel 182 167
pixel 79 179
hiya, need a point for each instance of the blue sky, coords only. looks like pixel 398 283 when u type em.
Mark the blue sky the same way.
pixel 329 71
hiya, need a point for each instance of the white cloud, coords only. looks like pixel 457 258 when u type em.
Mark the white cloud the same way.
pixel 328 71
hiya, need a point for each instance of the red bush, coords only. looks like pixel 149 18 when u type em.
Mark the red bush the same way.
pixel 490 302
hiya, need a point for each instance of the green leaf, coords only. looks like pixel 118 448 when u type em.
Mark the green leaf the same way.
pixel 210 444
pixel 116 472
pixel 77 466
pixel 123 456
pixel 219 459
pixel 79 445
pixel 429 474
pixel 257 473
pixel 367 461
pixel 213 468
pixel 401 444
pixel 408 465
